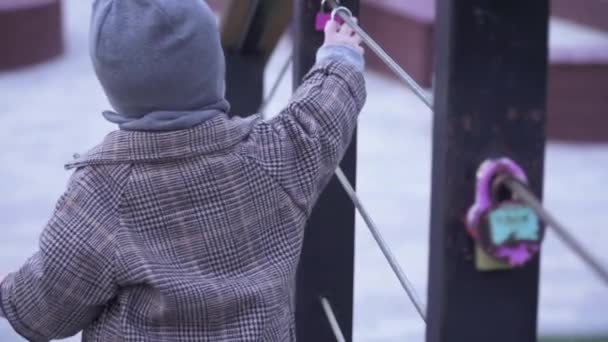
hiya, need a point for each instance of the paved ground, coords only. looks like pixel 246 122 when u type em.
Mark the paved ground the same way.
pixel 52 111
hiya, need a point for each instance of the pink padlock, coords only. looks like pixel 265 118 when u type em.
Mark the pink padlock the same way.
pixel 505 230
pixel 324 16
pixel 486 173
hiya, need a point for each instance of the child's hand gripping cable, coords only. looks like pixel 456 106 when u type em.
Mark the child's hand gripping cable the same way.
pixel 342 43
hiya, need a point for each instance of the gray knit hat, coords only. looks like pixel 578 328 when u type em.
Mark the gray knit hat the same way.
pixel 158 55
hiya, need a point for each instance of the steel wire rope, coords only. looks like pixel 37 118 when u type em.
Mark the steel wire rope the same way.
pixel 277 83
pixel 333 321
pixel 390 257
pixel 526 196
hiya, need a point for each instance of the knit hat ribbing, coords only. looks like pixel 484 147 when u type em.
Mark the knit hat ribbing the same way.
pixel 158 55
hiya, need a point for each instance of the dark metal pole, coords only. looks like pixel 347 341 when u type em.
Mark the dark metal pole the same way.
pixel 250 33
pixel 490 101
pixel 245 82
pixel 245 66
pixel 327 263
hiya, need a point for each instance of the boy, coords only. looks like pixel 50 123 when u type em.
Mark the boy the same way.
pixel 185 225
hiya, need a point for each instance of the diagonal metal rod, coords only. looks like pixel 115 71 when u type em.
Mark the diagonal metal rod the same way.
pixel 390 257
pixel 333 321
pixel 277 83
pixel 383 55
pixel 562 232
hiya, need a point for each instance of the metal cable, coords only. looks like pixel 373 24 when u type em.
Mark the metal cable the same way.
pixel 381 53
pixel 277 83
pixel 333 321
pixel 390 257
pixel 526 196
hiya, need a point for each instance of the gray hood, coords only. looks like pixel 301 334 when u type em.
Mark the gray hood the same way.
pixel 158 56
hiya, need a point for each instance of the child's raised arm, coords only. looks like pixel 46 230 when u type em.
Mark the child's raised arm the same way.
pixel 302 147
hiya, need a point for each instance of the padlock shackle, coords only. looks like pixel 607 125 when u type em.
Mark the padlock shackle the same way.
pixel 487 173
pixel 498 185
pixel 338 10
pixel 324 3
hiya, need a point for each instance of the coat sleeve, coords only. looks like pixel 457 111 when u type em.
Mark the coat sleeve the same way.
pixel 302 146
pixel 64 286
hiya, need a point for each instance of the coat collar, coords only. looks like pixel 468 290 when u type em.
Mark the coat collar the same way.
pixel 215 135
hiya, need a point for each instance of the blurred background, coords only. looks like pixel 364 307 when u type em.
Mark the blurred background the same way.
pixel 51 103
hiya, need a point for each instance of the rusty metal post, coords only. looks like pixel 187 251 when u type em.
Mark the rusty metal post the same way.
pixel 490 101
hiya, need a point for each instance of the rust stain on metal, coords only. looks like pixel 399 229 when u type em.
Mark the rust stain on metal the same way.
pixel 467 123
pixel 537 115
pixel 512 114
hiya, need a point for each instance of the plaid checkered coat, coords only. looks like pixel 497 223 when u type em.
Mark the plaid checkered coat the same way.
pixel 191 235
